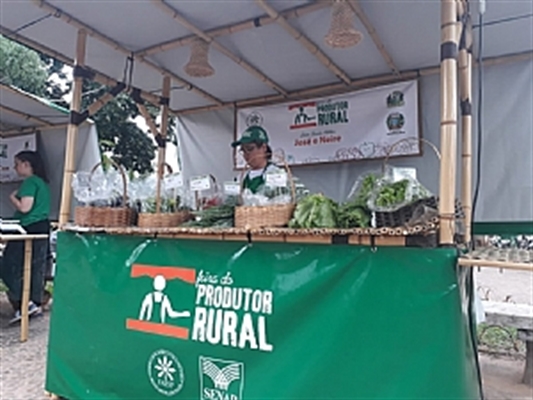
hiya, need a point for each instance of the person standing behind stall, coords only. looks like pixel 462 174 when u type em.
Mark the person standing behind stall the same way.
pixel 32 204
pixel 258 156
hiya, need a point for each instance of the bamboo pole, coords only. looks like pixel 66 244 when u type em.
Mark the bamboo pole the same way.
pixel 339 88
pixel 161 159
pixel 72 133
pixel 467 262
pixel 148 119
pixel 99 103
pixel 251 23
pixel 223 49
pixel 25 116
pixel 305 41
pixel 117 46
pixel 465 79
pixel 358 10
pixel 448 124
pixel 25 321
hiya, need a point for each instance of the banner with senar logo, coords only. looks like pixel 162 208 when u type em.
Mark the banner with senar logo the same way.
pixel 145 318
pixel 362 125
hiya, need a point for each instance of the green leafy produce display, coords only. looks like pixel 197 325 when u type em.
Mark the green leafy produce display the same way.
pixel 392 194
pixel 168 205
pixel 352 215
pixel 315 211
pixel 221 216
pixel 365 190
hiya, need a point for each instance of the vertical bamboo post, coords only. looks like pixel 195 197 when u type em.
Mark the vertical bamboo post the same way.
pixel 72 132
pixel 163 132
pixel 26 278
pixel 448 123
pixel 465 78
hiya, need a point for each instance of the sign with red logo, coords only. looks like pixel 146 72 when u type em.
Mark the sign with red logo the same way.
pixel 362 125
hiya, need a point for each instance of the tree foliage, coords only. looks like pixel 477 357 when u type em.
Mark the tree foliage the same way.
pixel 22 67
pixel 41 75
pixel 130 146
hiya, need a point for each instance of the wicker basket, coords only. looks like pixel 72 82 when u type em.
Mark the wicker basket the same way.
pixel 163 220
pixel 106 216
pixel 271 216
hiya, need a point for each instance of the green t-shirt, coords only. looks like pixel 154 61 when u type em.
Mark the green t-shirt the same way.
pixel 35 187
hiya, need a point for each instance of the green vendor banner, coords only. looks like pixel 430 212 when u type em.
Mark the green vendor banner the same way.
pixel 145 318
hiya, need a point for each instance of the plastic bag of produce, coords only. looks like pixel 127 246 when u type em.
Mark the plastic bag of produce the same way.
pixel 363 188
pixel 394 190
pixel 81 187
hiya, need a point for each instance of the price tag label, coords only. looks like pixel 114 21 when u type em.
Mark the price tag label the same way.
pixel 232 188
pixel 403 173
pixel 277 179
pixel 200 183
pixel 173 181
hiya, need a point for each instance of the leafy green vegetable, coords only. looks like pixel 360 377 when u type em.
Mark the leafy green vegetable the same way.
pixel 367 186
pixel 351 215
pixel 315 211
pixel 221 216
pixel 391 194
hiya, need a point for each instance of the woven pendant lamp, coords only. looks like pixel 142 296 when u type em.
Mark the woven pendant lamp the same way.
pixel 342 33
pixel 198 65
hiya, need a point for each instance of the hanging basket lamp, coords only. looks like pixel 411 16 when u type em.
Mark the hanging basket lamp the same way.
pixel 198 65
pixel 342 33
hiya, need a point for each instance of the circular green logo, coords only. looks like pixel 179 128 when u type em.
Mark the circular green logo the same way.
pixel 165 372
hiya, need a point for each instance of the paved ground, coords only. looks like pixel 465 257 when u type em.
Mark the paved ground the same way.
pixel 22 365
pixel 504 285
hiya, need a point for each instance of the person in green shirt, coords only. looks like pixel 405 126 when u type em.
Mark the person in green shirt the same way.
pixel 32 205
pixel 258 156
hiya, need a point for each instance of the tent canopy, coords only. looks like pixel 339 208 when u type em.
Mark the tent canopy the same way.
pixel 21 111
pixel 260 50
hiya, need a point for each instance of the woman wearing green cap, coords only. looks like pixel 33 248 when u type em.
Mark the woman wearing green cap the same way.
pixel 258 155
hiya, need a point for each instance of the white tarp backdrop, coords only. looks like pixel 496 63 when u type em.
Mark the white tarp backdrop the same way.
pixel 9 147
pixel 506 192
pixel 359 125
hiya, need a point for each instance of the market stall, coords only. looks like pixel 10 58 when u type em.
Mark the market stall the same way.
pixel 30 122
pixel 303 306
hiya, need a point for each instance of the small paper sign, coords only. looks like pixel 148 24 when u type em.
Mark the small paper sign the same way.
pixel 232 188
pixel 199 183
pixel 399 174
pixel 173 181
pixel 276 180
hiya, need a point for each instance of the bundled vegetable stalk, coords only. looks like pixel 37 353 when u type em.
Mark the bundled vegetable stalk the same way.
pixel 168 205
pixel 354 213
pixel 219 216
pixel 315 211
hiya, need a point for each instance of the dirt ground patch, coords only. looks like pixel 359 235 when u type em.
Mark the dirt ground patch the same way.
pixel 502 378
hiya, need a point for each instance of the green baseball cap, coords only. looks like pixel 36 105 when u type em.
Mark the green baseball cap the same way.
pixel 254 134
